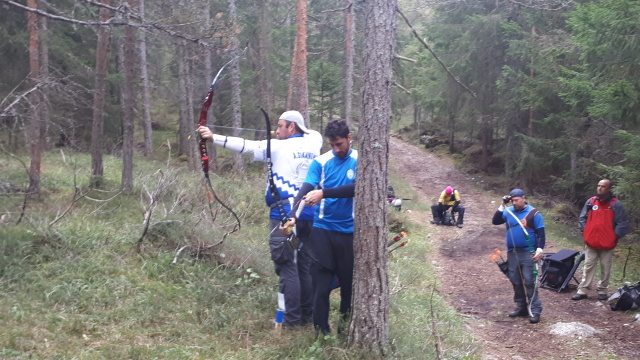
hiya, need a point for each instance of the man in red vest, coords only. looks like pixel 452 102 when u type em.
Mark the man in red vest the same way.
pixel 603 221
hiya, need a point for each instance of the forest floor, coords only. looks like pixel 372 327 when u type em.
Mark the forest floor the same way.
pixel 473 284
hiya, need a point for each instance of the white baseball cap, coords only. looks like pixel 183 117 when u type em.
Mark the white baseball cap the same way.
pixel 295 117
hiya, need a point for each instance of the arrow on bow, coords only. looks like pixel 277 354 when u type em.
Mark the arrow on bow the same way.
pixel 204 154
pixel 236 128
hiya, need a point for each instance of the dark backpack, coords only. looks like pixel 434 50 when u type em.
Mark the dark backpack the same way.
pixel 528 220
pixel 626 298
pixel 557 267
pixel 449 219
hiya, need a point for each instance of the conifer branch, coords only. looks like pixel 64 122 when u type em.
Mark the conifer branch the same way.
pixel 415 33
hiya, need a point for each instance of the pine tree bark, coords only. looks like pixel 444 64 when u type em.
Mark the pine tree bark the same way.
pixel 349 46
pixel 264 46
pixel 45 113
pixel 369 327
pixel 97 129
pixel 144 82
pixel 238 163
pixel 129 104
pixel 486 133
pixel 298 98
pixel 183 106
pixel 191 78
pixel 452 132
pixel 35 133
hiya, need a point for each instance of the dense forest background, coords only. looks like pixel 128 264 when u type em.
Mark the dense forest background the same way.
pixel 554 100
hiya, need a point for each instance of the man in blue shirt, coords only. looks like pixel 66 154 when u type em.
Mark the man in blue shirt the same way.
pixel 331 240
pixel 525 241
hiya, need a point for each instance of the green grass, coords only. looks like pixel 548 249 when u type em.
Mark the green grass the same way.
pixel 77 289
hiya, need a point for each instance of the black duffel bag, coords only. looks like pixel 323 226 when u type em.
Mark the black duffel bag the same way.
pixel 626 298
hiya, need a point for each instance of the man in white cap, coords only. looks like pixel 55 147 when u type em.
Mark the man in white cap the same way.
pixel 291 154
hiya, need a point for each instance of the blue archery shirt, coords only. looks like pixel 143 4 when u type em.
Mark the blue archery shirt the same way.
pixel 515 235
pixel 329 171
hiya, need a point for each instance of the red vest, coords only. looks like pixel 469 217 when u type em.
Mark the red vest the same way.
pixel 599 233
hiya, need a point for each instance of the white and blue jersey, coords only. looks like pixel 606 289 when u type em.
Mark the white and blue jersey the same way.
pixel 290 158
pixel 330 171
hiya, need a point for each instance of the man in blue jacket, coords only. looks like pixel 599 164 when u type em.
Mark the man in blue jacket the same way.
pixel 525 241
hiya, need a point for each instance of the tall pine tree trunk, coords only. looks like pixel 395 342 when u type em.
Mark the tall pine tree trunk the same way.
pixel 185 126
pixel 35 135
pixel 97 129
pixel 45 113
pixel 486 132
pixel 349 46
pixel 144 82
pixel 452 132
pixel 369 328
pixel 238 164
pixel 191 78
pixel 298 98
pixel 264 46
pixel 129 104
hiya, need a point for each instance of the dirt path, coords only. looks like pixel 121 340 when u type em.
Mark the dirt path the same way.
pixel 481 293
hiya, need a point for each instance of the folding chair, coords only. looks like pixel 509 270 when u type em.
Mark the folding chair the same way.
pixel 559 268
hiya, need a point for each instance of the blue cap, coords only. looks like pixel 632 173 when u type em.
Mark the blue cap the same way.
pixel 517 192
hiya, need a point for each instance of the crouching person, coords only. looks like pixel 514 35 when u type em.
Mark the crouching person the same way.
pixel 449 201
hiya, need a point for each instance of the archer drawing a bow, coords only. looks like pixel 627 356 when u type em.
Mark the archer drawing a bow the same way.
pixel 292 238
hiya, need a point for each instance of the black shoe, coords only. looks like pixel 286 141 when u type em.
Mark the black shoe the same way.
pixel 579 297
pixel 534 319
pixel 459 226
pixel 321 331
pixel 435 222
pixel 292 326
pixel 519 312
pixel 603 297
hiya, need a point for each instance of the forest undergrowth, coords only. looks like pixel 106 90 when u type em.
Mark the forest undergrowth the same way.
pixel 82 279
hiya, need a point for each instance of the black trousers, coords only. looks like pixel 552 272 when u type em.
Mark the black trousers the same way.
pixel 294 270
pixel 439 209
pixel 332 254
pixel 521 269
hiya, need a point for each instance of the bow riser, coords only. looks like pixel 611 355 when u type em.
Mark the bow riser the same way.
pixel 204 154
